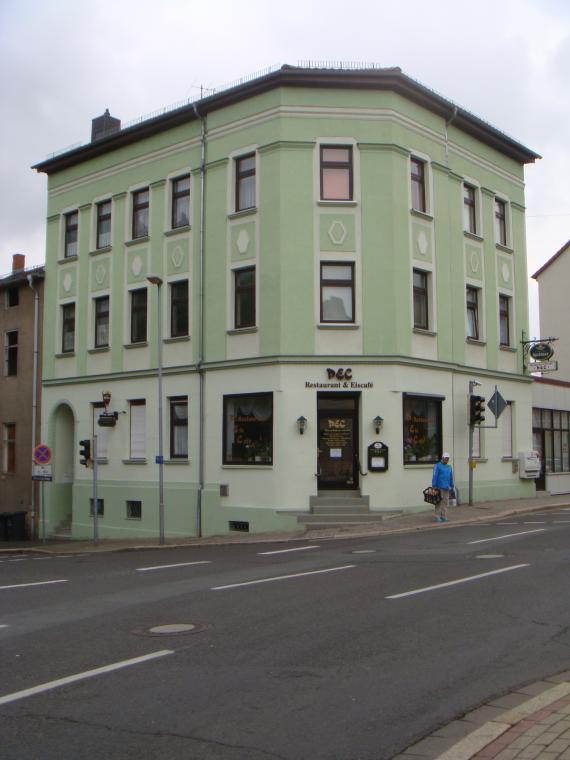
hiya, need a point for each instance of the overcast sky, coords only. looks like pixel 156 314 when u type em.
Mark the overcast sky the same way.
pixel 64 61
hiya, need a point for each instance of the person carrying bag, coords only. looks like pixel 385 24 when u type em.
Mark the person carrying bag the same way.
pixel 443 480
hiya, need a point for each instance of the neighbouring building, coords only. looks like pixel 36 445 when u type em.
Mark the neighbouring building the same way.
pixel 337 253
pixel 21 302
pixel 551 392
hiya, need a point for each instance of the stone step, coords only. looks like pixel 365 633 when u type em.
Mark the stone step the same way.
pixel 340 518
pixel 331 509
pixel 333 499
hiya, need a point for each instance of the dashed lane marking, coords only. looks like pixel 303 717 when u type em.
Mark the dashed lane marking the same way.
pixel 456 582
pixel 27 585
pixel 15 696
pixel 282 577
pixel 508 535
pixel 284 551
pixel 166 567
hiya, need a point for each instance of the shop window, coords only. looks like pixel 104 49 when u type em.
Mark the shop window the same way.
pixel 248 429
pixel 551 433
pixel 179 428
pixel 422 429
pixel 336 173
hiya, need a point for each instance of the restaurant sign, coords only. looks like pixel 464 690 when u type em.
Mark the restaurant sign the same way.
pixel 339 379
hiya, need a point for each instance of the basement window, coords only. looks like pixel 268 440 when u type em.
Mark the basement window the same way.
pixel 239 525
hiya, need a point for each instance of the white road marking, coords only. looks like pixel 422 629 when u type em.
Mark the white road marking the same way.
pixel 508 535
pixel 281 577
pixel 508 523
pixel 535 522
pixel 165 567
pixel 3 626
pixel 19 559
pixel 15 696
pixel 284 551
pixel 39 583
pixel 561 522
pixel 38 559
pixel 455 583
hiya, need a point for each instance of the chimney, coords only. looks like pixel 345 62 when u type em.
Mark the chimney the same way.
pixel 18 262
pixel 103 126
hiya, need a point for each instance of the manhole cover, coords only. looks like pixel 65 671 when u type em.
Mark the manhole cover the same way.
pixel 171 629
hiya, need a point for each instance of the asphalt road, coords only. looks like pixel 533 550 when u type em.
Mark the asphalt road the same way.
pixel 343 650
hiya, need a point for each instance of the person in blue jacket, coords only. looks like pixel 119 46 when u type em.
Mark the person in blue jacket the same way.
pixel 443 480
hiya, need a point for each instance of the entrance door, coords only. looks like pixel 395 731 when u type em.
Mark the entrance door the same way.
pixel 338 441
pixel 538 445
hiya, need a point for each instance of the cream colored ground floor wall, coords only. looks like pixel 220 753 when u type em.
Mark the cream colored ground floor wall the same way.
pixel 269 494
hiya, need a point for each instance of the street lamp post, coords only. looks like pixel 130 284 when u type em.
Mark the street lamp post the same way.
pixel 155 280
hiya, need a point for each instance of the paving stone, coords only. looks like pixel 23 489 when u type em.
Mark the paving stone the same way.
pixel 531 752
pixel 509 701
pixel 507 754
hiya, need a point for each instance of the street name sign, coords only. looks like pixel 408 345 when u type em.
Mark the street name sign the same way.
pixel 543 366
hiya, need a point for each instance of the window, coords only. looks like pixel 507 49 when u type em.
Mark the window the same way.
pixel 179 308
pixel 179 428
pixel 100 507
pixel 337 292
pixel 417 169
pixel 500 222
pixel 181 201
pixel 71 226
pixel 469 209
pixel 248 429
pixel 138 315
pixel 140 213
pixel 504 320
pixel 102 433
pixel 11 353
pixel 137 448
pixel 12 296
pixel 336 173
pixel 102 322
pixel 103 224
pixel 245 182
pixel 244 315
pixel 506 424
pixel 551 433
pixel 422 429
pixel 472 300
pixel 9 445
pixel 134 510
pixel 421 305
pixel 68 328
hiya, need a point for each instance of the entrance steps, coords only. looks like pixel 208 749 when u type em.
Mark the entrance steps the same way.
pixel 332 508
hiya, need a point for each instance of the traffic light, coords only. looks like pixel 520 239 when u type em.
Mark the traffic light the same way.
pixel 476 410
pixel 85 452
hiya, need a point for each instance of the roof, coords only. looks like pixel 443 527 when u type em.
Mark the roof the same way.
pixel 21 275
pixel 551 260
pixel 298 76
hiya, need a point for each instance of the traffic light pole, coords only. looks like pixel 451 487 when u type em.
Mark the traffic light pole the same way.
pixel 95 504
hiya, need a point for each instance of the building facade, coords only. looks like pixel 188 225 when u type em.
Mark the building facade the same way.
pixel 336 253
pixel 551 392
pixel 21 301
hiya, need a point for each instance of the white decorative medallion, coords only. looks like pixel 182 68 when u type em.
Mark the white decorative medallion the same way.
pixel 505 271
pixel 337 232
pixel 474 261
pixel 67 282
pixel 177 257
pixel 242 241
pixel 136 265
pixel 423 243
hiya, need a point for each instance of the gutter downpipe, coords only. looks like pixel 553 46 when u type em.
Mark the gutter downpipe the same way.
pixel 201 309
pixel 30 279
pixel 447 123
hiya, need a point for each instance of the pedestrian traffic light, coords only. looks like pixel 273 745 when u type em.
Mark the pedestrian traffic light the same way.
pixel 476 410
pixel 85 452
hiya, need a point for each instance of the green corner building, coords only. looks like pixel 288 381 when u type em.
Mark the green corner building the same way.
pixel 336 254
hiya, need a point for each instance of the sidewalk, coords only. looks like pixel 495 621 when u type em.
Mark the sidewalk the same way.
pixel 462 515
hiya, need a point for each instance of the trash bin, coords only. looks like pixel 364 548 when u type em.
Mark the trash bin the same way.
pixel 12 526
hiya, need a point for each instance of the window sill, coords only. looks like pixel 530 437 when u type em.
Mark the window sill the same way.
pixel 421 214
pixel 473 236
pixel 177 230
pixel 255 466
pixel 244 212
pixel 99 350
pixel 349 204
pixel 509 459
pixel 508 349
pixel 140 344
pixel 66 355
pixel 67 258
pixel 177 339
pixel 177 461
pixel 242 330
pixel 338 326
pixel 136 241
pixel 420 465
pixel 504 248
pixel 135 461
pixel 480 460
pixel 105 249
pixel 102 460
pixel 422 331
pixel 136 519
pixel 475 341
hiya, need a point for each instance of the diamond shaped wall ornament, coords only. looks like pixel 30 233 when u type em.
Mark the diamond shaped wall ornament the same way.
pixel 242 241
pixel 337 232
pixel 177 257
pixel 423 243
pixel 506 272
